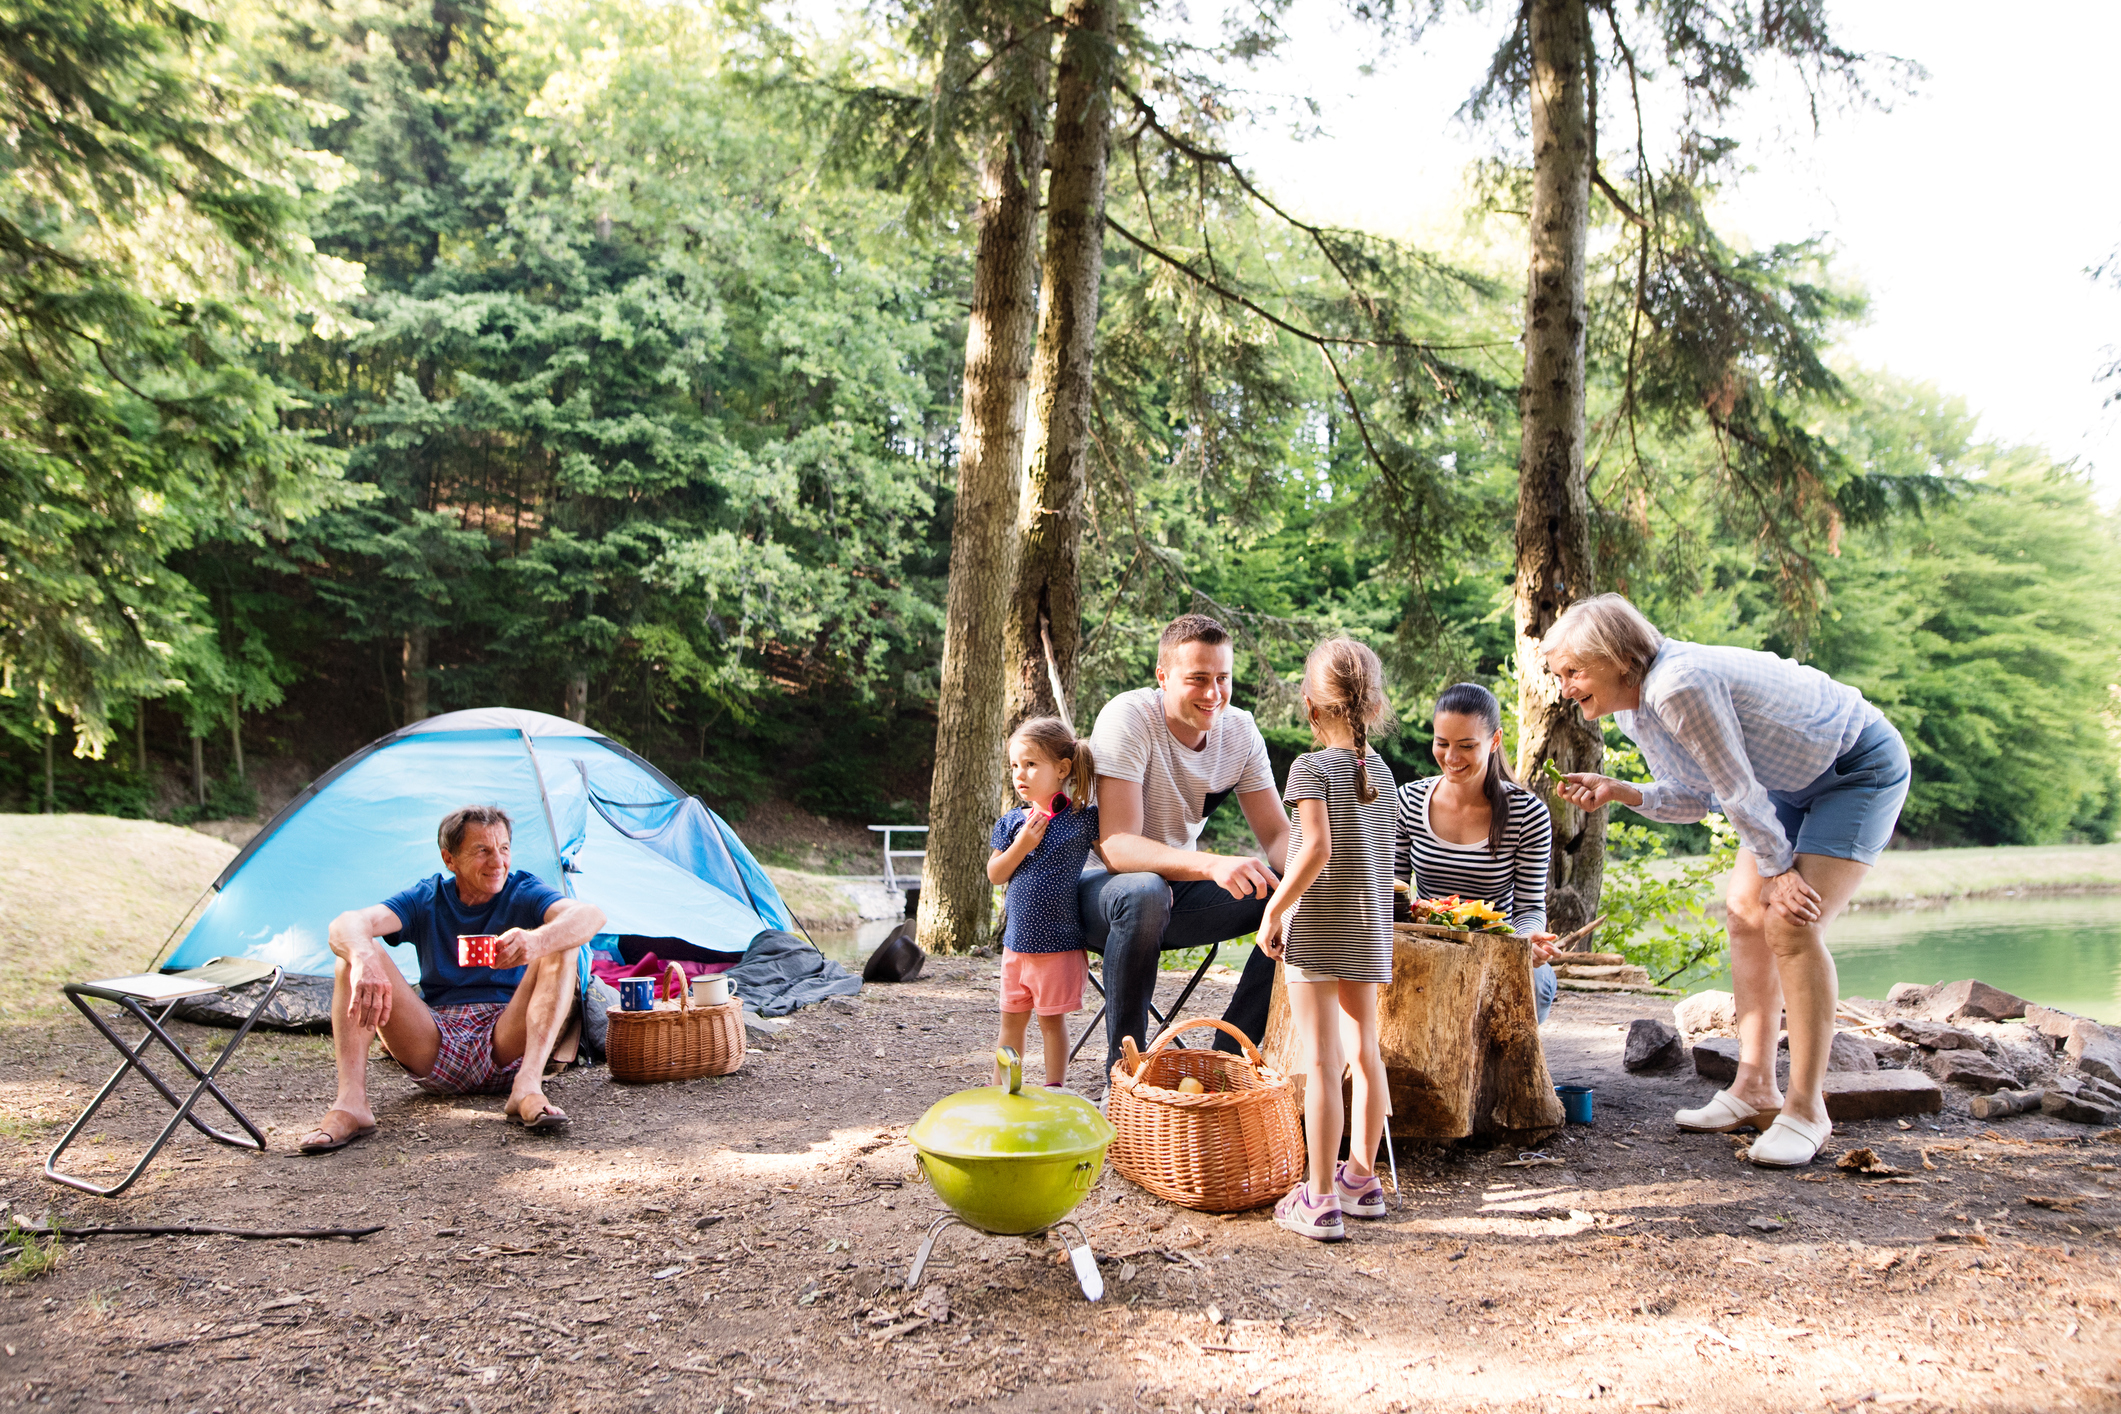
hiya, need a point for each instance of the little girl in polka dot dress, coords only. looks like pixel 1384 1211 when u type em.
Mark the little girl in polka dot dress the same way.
pixel 1039 853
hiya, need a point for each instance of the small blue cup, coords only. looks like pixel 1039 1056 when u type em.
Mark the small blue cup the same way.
pixel 637 994
pixel 1576 1102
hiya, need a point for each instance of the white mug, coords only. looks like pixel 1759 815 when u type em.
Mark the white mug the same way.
pixel 710 991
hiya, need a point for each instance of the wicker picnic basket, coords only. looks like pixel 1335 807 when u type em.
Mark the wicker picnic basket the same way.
pixel 1236 1147
pixel 683 1042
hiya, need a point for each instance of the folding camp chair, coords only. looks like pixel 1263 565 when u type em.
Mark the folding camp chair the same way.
pixel 136 995
pixel 1185 995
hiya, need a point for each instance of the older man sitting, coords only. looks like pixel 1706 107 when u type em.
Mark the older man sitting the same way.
pixel 466 1030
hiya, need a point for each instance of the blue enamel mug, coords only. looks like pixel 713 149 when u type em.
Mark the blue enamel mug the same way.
pixel 637 994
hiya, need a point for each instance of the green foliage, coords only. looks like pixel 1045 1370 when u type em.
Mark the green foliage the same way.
pixel 1658 918
pixel 150 235
pixel 1989 630
pixel 649 382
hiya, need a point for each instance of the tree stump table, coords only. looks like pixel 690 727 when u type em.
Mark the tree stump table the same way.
pixel 1459 1030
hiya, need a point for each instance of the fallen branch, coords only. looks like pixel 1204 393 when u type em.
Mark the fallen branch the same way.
pixel 352 1234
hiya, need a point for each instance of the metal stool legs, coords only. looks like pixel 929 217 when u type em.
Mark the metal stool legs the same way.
pixel 79 993
pixel 1185 995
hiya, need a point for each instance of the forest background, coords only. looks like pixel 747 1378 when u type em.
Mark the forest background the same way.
pixel 606 359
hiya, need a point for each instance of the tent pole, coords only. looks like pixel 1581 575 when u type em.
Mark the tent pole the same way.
pixel 552 831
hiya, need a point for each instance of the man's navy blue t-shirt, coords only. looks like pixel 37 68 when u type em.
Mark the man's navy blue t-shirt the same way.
pixel 1040 900
pixel 433 915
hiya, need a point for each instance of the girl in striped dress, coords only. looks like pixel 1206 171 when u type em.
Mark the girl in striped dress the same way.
pixel 1474 832
pixel 1330 925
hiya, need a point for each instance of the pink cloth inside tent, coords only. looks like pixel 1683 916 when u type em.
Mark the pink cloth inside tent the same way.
pixel 652 966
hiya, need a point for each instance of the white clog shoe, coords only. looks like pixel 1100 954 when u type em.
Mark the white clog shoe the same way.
pixel 1789 1143
pixel 1722 1114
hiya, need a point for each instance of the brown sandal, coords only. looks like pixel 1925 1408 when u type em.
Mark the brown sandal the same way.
pixel 334 1141
pixel 550 1117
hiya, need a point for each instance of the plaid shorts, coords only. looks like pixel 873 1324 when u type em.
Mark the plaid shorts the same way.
pixel 465 1065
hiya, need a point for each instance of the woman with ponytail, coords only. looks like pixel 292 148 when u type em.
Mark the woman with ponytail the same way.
pixel 1330 926
pixel 1474 832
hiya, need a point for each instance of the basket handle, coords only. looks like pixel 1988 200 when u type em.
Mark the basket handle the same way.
pixel 676 977
pixel 1170 1032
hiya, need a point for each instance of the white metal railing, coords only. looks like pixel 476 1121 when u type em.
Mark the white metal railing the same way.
pixel 891 877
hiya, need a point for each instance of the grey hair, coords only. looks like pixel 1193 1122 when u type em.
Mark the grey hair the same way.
pixel 1606 626
pixel 457 821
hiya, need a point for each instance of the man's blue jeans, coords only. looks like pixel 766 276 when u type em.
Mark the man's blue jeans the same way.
pixel 1545 987
pixel 1131 919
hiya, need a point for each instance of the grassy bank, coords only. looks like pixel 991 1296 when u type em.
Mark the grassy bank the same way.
pixel 1924 876
pixel 88 896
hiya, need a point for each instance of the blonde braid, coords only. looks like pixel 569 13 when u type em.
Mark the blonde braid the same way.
pixel 1347 670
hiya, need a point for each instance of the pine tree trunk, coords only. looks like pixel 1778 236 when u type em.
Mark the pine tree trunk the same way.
pixel 1045 616
pixel 1554 548
pixel 140 737
pixel 235 737
pixel 198 769
pixel 969 770
pixel 50 793
pixel 575 703
pixel 415 660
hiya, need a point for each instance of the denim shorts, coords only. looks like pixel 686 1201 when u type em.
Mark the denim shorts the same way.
pixel 1850 811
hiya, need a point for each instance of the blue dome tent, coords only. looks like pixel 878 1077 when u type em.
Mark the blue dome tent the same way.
pixel 591 819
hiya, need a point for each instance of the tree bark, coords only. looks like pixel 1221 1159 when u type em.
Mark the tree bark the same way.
pixel 1045 614
pixel 415 659
pixel 574 704
pixel 235 737
pixel 140 736
pixel 1459 1030
pixel 967 785
pixel 50 792
pixel 198 769
pixel 1554 546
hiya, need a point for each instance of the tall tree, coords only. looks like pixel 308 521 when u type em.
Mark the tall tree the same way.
pixel 970 723
pixel 1698 332
pixel 1045 613
pixel 1554 549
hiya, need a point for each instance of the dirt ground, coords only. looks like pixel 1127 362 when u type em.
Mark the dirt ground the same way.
pixel 739 1244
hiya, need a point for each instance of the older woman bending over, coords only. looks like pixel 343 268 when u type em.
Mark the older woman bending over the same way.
pixel 1812 777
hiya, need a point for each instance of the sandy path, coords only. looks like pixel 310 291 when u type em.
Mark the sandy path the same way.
pixel 736 1244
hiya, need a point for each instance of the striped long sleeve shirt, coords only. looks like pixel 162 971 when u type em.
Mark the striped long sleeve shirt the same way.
pixel 1513 879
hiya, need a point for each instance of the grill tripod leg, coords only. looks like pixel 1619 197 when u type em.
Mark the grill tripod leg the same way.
pixel 927 1250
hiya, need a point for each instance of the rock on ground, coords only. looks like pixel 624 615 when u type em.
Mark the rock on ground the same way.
pixel 2054 1025
pixel 1716 1058
pixel 1882 1094
pixel 1849 1053
pixel 2080 1108
pixel 1968 1000
pixel 1935 1036
pixel 1971 1069
pixel 2095 1050
pixel 1652 1045
pixel 1705 1011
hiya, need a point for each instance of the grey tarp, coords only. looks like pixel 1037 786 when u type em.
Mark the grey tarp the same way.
pixel 302 1004
pixel 781 972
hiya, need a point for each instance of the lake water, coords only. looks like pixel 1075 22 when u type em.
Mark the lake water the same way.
pixel 2063 952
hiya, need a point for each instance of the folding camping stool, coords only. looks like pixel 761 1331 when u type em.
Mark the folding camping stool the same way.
pixel 1185 995
pixel 135 995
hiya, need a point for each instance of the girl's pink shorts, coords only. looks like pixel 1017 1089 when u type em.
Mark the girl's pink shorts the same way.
pixel 1049 983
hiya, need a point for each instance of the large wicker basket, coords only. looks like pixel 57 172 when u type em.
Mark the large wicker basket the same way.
pixel 1236 1147
pixel 683 1042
